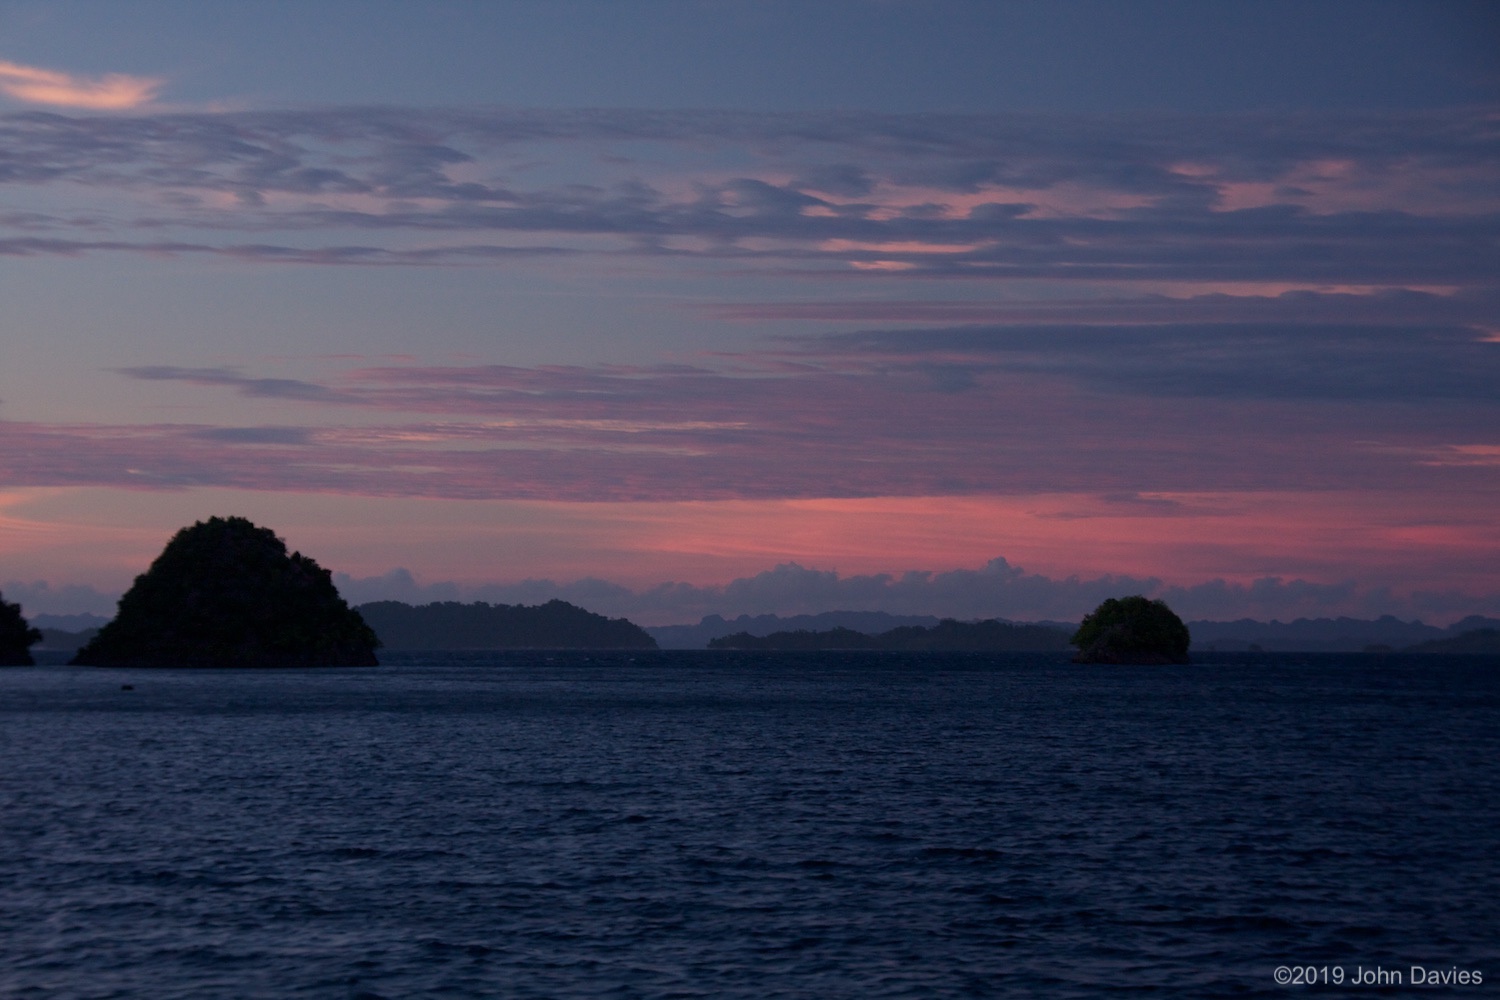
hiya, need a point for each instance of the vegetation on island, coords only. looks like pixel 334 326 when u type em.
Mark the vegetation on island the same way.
pixel 1132 630
pixel 225 593
pixel 16 636
pixel 949 635
pixel 451 625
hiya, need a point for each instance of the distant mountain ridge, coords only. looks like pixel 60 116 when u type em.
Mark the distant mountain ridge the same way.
pixel 1333 635
pixel 948 635
pixel 1306 635
pixel 869 622
pixel 60 640
pixel 1326 635
pixel 1477 642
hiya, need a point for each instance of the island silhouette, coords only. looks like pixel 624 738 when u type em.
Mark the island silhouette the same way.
pixel 16 636
pixel 1132 630
pixel 225 593
pixel 949 635
pixel 1476 642
pixel 451 625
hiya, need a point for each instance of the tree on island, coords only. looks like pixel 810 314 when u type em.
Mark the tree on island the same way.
pixel 16 636
pixel 1132 630
pixel 224 593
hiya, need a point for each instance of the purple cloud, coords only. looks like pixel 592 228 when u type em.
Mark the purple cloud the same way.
pixel 965 410
pixel 265 388
pixel 1389 199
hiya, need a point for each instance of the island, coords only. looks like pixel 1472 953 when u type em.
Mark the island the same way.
pixel 948 635
pixel 450 625
pixel 1478 642
pixel 1132 630
pixel 225 593
pixel 16 636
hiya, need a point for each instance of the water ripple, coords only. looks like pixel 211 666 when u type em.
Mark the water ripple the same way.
pixel 686 825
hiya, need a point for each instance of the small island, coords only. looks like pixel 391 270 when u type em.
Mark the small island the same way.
pixel 949 635
pixel 225 593
pixel 16 636
pixel 1132 630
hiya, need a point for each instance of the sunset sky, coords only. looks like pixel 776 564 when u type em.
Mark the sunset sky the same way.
pixel 697 306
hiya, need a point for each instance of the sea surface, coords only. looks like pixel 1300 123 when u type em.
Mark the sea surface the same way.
pixel 694 824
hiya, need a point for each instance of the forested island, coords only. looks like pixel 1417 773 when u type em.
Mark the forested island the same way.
pixel 225 593
pixel 1133 631
pixel 948 635
pixel 455 626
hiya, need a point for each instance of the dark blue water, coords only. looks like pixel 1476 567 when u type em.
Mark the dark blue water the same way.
pixel 757 825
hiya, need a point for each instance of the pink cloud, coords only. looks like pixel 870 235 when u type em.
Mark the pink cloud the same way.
pixel 1184 451
pixel 110 92
pixel 1205 303
pixel 1214 555
pixel 878 419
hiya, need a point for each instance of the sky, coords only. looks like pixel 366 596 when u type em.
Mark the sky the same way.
pixel 680 307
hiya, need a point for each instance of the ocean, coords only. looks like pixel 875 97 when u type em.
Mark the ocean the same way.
pixel 695 824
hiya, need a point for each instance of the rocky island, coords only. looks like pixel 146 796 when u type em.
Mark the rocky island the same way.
pixel 225 593
pixel 1132 630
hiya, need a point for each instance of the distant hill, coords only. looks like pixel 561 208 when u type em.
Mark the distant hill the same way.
pixel 1325 635
pixel 68 623
pixel 1481 641
pixel 1304 635
pixel 58 640
pixel 947 635
pixel 714 626
pixel 451 625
